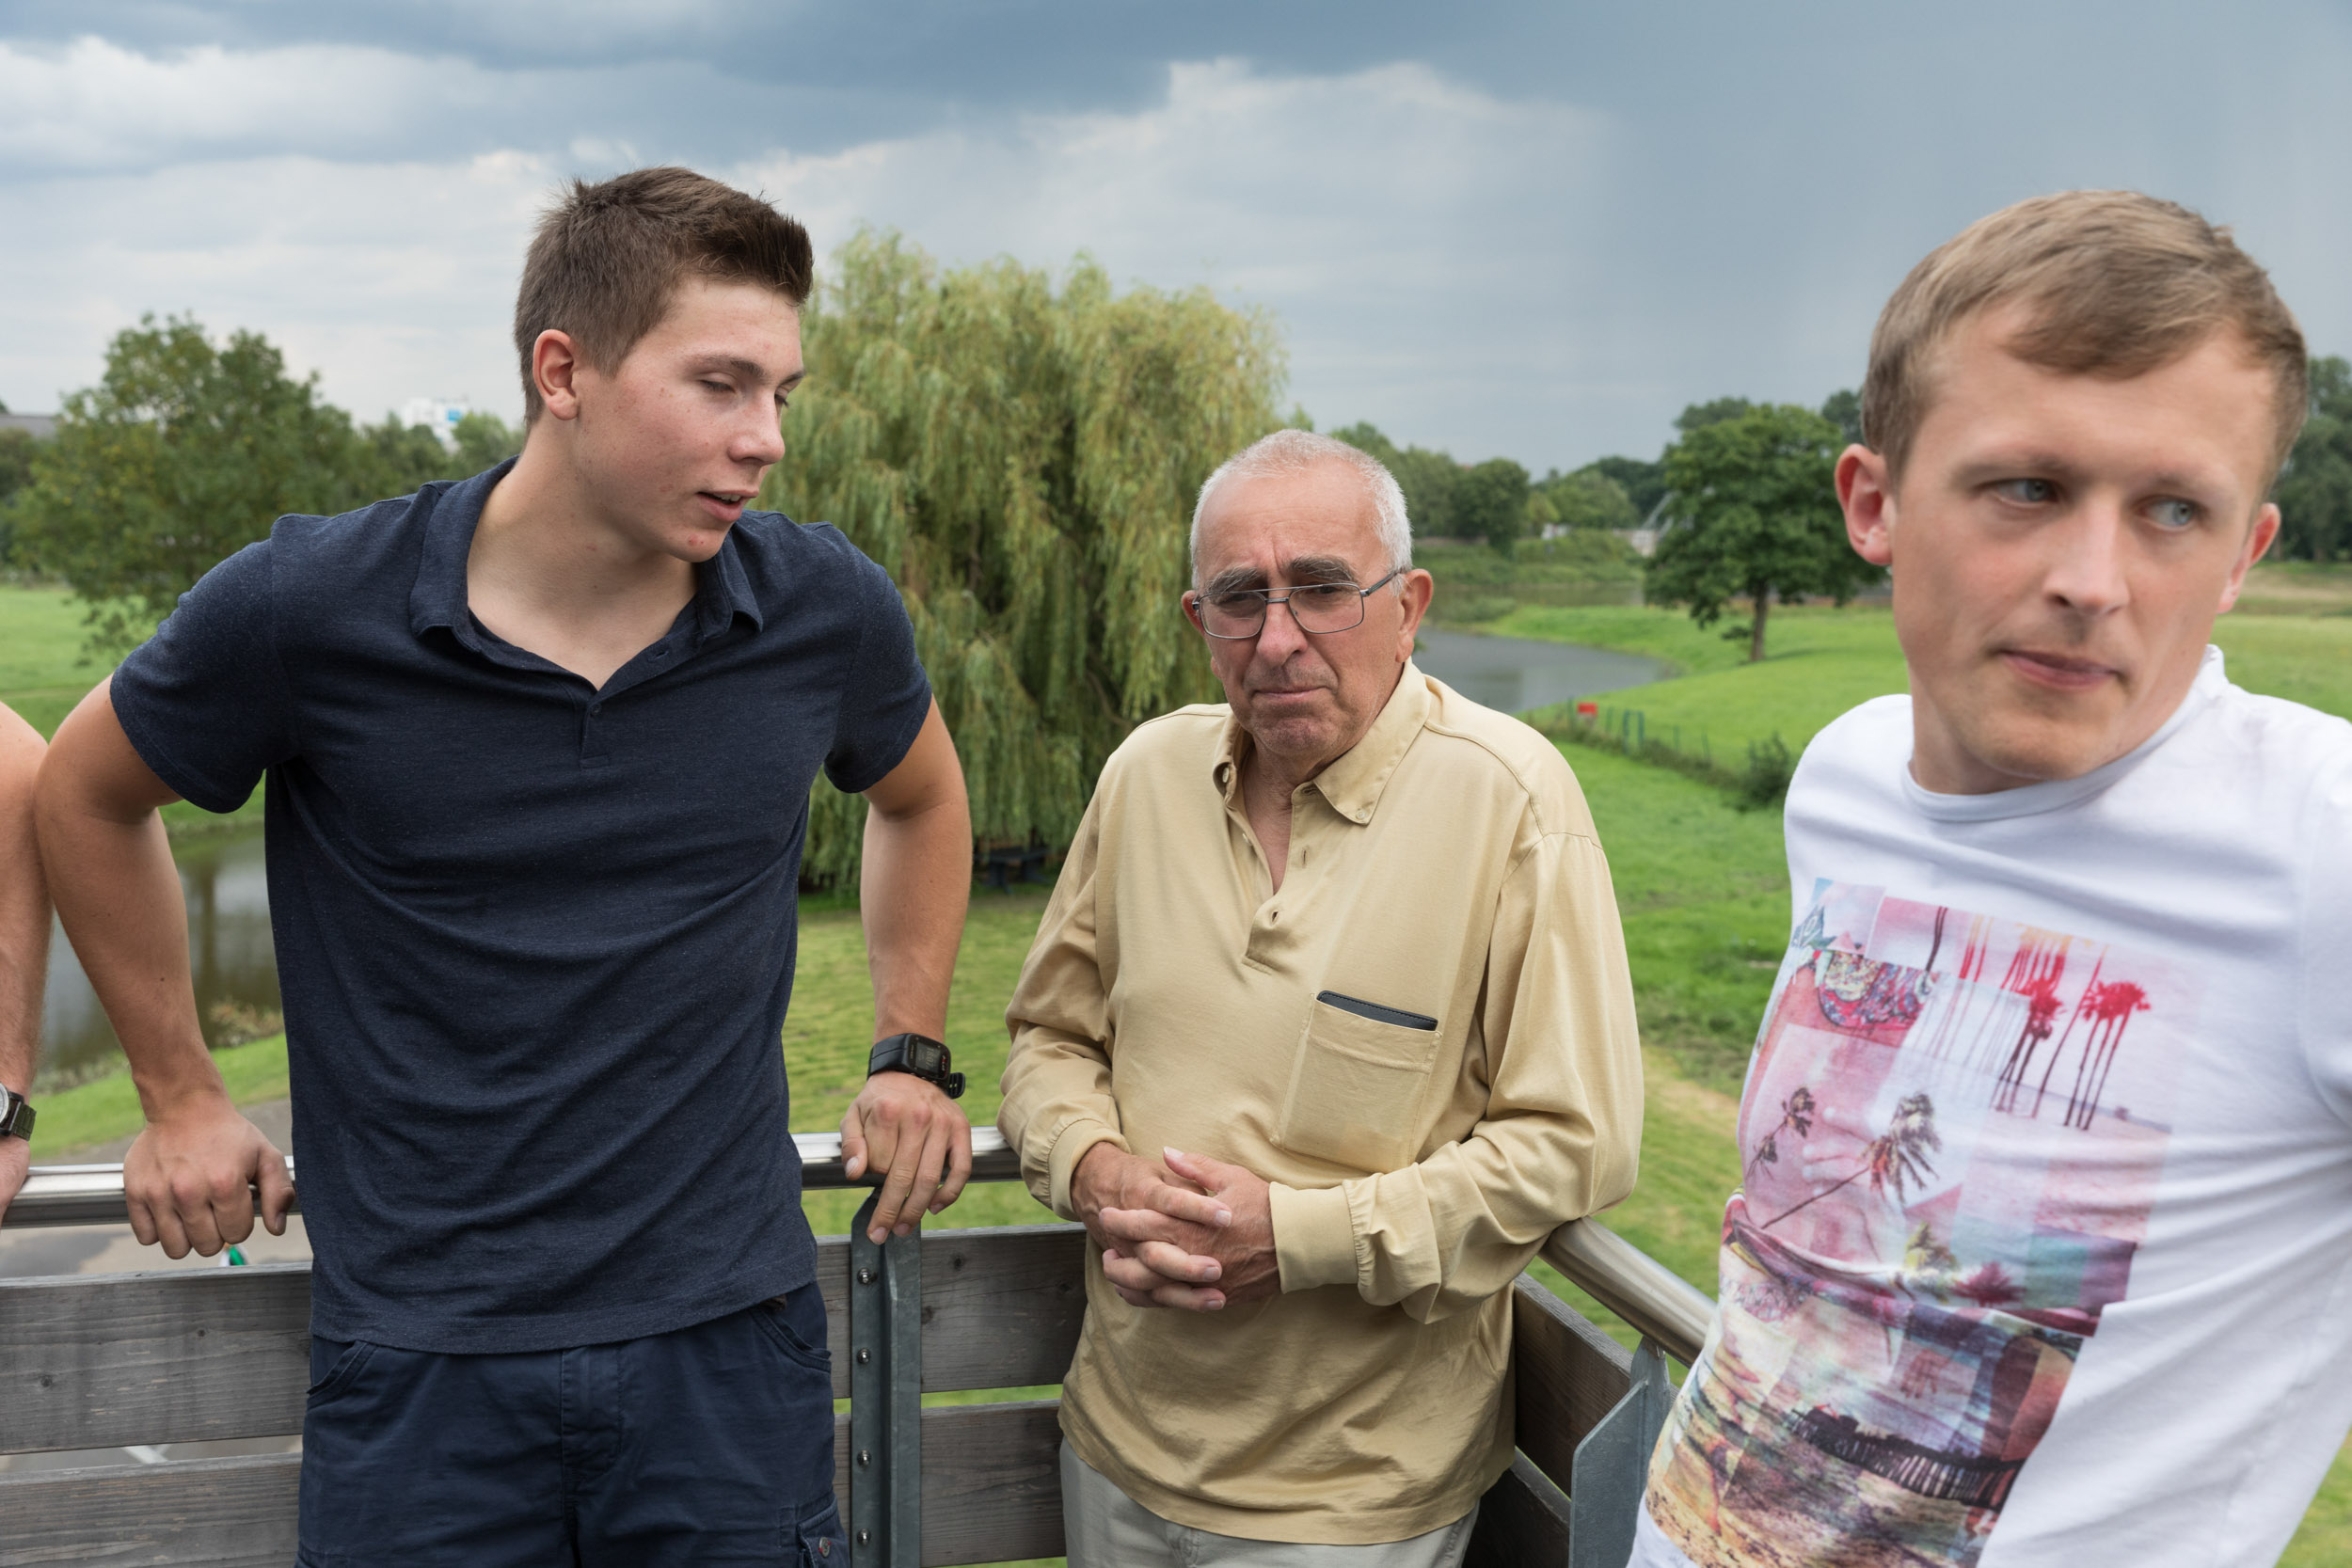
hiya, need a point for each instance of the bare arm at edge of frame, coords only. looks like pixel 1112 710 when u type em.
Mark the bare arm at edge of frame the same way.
pixel 189 1174
pixel 24 931
pixel 913 891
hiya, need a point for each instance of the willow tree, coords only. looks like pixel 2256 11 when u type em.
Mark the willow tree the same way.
pixel 1023 460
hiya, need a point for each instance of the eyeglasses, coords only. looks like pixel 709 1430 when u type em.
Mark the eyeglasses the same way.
pixel 1319 608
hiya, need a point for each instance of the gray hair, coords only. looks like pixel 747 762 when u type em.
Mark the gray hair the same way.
pixel 1293 452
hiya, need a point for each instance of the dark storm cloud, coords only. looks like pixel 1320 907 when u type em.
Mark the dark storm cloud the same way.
pixel 1532 228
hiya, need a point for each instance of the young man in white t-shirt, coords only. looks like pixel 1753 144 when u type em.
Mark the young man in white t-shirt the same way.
pixel 2042 1254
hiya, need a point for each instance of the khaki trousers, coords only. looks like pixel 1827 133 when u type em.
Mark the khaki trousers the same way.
pixel 1103 1528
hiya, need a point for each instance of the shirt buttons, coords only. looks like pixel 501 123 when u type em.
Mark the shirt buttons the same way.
pixel 594 708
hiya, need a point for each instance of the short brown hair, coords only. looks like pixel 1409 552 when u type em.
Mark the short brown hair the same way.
pixel 2115 284
pixel 607 257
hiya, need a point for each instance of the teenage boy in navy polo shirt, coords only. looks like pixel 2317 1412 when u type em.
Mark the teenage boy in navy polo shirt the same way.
pixel 538 749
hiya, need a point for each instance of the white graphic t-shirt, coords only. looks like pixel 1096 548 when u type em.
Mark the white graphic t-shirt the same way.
pixel 2043 1253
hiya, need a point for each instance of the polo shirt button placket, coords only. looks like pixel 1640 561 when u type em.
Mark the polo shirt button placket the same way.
pixel 591 752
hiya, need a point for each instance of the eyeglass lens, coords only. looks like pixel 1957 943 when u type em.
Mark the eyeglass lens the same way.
pixel 1321 607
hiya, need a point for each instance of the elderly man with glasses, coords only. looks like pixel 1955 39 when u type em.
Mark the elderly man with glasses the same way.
pixel 1327 1026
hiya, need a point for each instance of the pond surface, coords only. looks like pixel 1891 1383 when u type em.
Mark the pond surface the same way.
pixel 1516 673
pixel 228 948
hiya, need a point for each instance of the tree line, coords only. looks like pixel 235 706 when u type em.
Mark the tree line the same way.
pixel 185 452
pixel 1744 501
pixel 1021 454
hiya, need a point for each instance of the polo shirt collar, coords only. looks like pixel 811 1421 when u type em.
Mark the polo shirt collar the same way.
pixel 722 589
pixel 1352 785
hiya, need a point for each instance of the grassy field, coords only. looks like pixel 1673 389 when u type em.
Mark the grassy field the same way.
pixel 1701 886
pixel 41 671
pixel 43 674
pixel 2291 638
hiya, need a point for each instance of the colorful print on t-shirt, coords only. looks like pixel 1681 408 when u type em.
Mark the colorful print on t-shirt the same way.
pixel 1952 1132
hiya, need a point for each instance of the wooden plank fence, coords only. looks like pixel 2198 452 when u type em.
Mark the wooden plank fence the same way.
pixel 197 1355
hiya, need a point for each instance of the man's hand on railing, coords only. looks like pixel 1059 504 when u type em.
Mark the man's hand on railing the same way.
pixel 1155 1254
pixel 190 1177
pixel 906 1126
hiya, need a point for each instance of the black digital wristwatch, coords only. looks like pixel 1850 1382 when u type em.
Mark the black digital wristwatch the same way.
pixel 919 1054
pixel 16 1117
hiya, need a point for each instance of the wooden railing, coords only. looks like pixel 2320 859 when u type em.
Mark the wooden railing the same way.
pixel 112 1361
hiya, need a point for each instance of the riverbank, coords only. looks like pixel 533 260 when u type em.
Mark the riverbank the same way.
pixel 2290 638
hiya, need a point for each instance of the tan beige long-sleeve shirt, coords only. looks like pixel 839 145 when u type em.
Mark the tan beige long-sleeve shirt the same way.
pixel 1444 867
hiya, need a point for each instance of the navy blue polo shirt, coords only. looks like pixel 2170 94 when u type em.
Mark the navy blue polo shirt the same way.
pixel 535 939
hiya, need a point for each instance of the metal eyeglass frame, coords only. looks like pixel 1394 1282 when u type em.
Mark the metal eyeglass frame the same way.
pixel 1272 596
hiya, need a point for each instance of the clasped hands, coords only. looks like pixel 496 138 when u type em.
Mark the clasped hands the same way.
pixel 1193 1234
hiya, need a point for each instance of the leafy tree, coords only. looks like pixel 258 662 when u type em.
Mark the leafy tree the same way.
pixel 1698 416
pixel 396 459
pixel 182 453
pixel 2314 492
pixel 16 461
pixel 1490 503
pixel 16 468
pixel 1644 484
pixel 1022 460
pixel 1590 499
pixel 484 441
pixel 1541 514
pixel 1365 436
pixel 1431 480
pixel 1843 409
pixel 1756 514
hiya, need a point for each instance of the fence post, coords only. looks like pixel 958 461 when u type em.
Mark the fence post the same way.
pixel 1611 1469
pixel 885 1396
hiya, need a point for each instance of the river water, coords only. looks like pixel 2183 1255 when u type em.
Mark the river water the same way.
pixel 1515 673
pixel 228 949
pixel 228 896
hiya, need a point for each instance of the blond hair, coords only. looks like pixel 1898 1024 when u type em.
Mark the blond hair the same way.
pixel 2114 284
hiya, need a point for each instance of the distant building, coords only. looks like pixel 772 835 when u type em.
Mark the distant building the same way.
pixel 39 426
pixel 437 415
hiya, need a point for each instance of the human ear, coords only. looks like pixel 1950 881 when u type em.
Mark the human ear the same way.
pixel 2258 540
pixel 1866 493
pixel 555 367
pixel 1418 588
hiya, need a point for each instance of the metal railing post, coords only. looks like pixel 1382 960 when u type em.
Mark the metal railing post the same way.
pixel 1611 1469
pixel 885 1396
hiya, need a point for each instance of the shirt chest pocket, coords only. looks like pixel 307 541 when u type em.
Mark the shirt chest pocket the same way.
pixel 1357 1084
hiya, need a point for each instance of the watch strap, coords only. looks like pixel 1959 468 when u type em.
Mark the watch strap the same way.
pixel 920 1055
pixel 16 1116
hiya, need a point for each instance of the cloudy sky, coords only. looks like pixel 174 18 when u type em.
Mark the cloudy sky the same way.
pixel 1530 230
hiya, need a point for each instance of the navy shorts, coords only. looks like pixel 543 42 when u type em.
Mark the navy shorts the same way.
pixel 707 1445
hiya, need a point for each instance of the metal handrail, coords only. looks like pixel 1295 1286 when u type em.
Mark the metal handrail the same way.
pixel 93 1195
pixel 1644 1292
pixel 1658 1303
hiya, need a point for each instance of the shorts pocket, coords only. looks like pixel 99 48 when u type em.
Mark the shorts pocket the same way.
pixel 1356 1086
pixel 771 1316
pixel 817 1528
pixel 342 1372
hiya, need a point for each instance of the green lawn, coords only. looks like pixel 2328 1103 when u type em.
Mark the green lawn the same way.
pixel 1821 661
pixel 41 671
pixel 43 674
